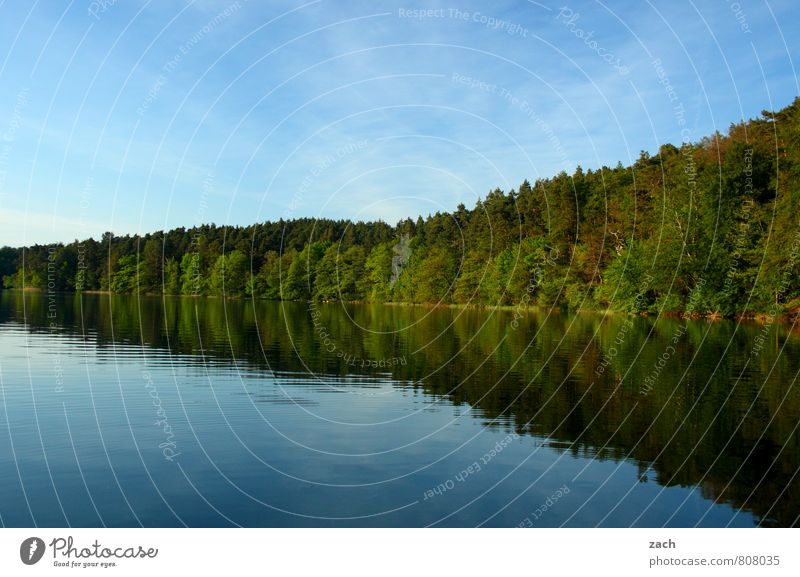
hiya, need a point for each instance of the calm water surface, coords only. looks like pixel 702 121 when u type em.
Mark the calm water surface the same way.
pixel 126 411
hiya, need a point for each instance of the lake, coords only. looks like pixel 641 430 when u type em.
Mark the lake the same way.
pixel 127 411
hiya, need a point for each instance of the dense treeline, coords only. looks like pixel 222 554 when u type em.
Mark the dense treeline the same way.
pixel 707 228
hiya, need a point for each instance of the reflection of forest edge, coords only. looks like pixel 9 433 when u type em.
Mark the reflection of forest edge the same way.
pixel 544 374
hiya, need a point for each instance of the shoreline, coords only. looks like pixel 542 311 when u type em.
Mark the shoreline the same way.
pixel 789 317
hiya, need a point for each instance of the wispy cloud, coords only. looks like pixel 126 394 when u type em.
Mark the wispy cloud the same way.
pixel 452 101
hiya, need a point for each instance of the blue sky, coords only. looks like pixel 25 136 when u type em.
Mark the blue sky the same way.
pixel 134 116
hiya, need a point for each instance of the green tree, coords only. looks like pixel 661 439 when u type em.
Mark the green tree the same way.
pixel 352 280
pixel 300 277
pixel 326 287
pixel 378 273
pixel 172 281
pixel 230 274
pixel 192 281
pixel 124 279
pixel 436 276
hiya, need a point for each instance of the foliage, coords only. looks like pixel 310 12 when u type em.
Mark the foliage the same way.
pixel 707 228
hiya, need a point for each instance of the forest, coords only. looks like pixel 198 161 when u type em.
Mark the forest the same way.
pixel 709 228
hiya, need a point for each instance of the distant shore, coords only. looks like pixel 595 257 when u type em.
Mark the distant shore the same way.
pixel 791 315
